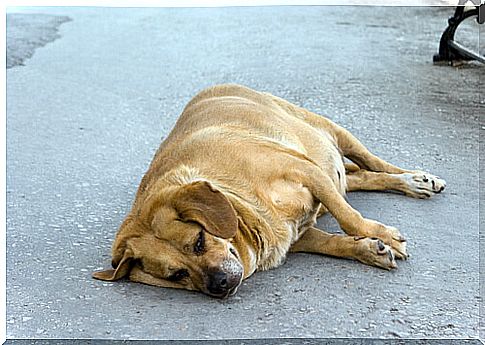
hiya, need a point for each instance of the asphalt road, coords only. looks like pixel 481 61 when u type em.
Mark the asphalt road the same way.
pixel 86 113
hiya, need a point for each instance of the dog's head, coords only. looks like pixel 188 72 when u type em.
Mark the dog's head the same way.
pixel 181 238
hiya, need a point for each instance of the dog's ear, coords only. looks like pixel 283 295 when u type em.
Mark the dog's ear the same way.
pixel 200 202
pixel 122 251
pixel 120 270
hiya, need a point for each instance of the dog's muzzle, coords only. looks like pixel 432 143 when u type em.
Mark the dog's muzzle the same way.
pixel 223 281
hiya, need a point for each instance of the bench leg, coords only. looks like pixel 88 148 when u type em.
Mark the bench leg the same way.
pixel 451 51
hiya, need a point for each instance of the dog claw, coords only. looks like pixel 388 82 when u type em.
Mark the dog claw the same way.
pixel 391 256
pixel 399 254
pixel 393 264
pixel 399 238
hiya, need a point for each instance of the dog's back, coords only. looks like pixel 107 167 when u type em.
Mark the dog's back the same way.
pixel 228 126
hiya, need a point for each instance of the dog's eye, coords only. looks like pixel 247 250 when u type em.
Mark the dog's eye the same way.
pixel 199 245
pixel 179 275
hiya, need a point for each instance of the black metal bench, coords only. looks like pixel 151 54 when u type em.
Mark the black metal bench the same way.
pixel 451 51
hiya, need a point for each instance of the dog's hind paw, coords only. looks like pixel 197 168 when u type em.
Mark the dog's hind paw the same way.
pixel 374 252
pixel 422 185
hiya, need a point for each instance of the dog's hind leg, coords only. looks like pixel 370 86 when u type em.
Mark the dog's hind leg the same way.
pixel 416 184
pixel 370 251
pixel 350 146
pixel 351 168
pixel 354 150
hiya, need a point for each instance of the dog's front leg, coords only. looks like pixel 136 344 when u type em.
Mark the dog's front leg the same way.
pixel 350 220
pixel 370 251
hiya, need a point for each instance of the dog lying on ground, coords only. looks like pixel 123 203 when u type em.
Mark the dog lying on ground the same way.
pixel 239 183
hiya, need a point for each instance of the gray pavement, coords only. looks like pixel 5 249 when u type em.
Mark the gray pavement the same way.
pixel 87 111
pixel 273 341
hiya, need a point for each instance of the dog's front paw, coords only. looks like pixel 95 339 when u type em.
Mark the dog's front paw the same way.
pixel 423 185
pixel 390 236
pixel 397 243
pixel 374 252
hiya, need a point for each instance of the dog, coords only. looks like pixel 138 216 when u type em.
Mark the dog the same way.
pixel 239 183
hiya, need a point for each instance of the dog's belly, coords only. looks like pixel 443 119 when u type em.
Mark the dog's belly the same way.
pixel 294 205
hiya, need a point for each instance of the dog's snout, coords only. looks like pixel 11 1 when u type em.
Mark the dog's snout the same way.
pixel 221 283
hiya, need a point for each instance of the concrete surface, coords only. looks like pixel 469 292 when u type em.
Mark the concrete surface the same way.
pixel 87 112
pixel 286 341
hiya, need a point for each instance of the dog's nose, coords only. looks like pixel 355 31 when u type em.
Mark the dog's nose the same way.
pixel 220 283
pixel 217 282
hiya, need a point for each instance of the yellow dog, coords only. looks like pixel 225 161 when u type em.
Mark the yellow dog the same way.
pixel 239 183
